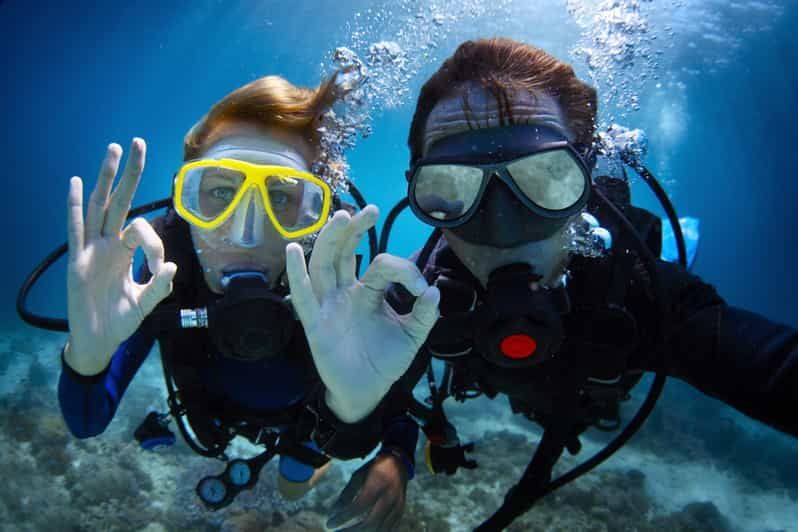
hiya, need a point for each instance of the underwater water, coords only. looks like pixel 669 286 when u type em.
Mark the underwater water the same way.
pixel 711 83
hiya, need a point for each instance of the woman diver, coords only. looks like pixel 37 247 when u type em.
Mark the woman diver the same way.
pixel 214 292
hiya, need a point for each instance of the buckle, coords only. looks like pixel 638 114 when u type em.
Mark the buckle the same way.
pixel 322 433
pixel 267 436
pixel 175 408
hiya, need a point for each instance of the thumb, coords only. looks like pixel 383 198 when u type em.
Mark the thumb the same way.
pixel 346 507
pixel 159 287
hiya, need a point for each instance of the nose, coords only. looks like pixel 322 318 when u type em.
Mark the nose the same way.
pixel 501 209
pixel 249 218
pixel 503 221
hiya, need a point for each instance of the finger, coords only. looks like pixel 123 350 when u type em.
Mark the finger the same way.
pixel 95 217
pixel 387 269
pixel 392 520
pixel 422 318
pixel 322 260
pixel 346 263
pixel 344 508
pixel 158 288
pixel 360 527
pixel 141 234
pixel 121 198
pixel 75 217
pixel 352 489
pixel 302 297
pixel 380 512
pixel 374 520
pixel 354 511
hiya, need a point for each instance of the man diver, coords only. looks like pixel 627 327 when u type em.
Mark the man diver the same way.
pixel 501 155
pixel 214 293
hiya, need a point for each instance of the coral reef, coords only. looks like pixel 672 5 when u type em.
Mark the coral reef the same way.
pixel 109 483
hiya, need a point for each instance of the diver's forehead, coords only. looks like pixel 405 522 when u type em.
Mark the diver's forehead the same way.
pixel 258 147
pixel 449 116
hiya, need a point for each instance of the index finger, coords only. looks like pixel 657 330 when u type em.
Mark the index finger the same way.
pixel 322 260
pixel 387 269
pixel 302 297
pixel 346 263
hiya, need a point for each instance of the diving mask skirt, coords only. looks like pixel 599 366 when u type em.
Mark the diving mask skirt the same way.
pixel 502 186
pixel 208 191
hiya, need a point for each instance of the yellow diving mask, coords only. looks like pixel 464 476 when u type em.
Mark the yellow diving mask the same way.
pixel 207 192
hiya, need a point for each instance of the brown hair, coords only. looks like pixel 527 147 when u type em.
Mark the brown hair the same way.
pixel 268 101
pixel 503 66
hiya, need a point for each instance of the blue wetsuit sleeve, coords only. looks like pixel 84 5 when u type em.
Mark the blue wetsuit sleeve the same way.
pixel 295 471
pixel 736 356
pixel 88 403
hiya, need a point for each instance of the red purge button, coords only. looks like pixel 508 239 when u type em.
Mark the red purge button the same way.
pixel 518 346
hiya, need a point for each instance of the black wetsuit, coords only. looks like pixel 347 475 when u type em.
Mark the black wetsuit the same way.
pixel 736 356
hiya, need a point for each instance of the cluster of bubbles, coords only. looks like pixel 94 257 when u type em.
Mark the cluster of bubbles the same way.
pixel 617 146
pixel 338 129
pixel 584 236
pixel 618 143
pixel 617 44
pixel 373 74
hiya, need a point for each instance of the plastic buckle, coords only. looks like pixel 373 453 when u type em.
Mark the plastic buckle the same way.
pixel 321 436
pixel 267 436
pixel 175 408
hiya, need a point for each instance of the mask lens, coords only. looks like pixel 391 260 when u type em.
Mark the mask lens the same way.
pixel 296 202
pixel 209 190
pixel 552 180
pixel 446 191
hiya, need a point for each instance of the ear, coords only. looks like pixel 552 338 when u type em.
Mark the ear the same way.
pixel 408 175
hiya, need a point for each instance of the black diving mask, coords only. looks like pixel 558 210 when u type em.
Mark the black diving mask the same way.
pixel 500 187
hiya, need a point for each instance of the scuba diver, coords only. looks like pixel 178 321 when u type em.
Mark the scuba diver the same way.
pixel 251 344
pixel 503 155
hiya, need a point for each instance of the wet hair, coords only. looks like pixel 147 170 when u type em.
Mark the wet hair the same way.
pixel 269 101
pixel 504 66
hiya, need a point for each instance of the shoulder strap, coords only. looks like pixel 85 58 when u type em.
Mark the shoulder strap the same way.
pixel 559 433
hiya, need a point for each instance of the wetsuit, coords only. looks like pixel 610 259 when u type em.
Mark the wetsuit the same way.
pixel 736 356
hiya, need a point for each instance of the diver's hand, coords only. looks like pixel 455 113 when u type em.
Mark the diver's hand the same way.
pixel 359 344
pixel 374 496
pixel 104 304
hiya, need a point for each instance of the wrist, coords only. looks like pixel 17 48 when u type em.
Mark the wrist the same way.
pixel 402 456
pixel 80 363
pixel 348 411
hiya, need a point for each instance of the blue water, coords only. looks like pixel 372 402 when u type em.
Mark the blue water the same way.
pixel 719 115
